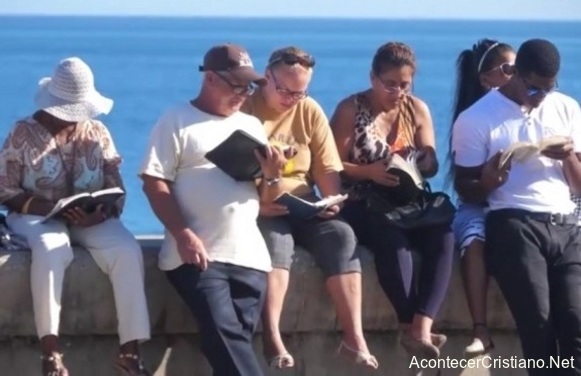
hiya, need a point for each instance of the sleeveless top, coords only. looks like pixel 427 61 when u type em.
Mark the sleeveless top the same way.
pixel 369 145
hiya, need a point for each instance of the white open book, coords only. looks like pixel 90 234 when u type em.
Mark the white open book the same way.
pixel 87 201
pixel 398 164
pixel 304 209
pixel 522 150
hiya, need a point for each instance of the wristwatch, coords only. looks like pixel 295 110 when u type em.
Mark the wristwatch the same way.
pixel 271 181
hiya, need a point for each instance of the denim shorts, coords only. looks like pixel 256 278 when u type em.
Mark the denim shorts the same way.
pixel 468 225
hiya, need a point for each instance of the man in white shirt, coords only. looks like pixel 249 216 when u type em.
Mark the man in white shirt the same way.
pixel 533 246
pixel 213 253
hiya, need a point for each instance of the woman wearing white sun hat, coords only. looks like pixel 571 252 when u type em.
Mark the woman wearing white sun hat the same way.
pixel 55 153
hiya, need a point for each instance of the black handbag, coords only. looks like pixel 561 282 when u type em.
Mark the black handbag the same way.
pixel 425 209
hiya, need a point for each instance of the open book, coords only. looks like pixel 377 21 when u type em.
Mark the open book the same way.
pixel 87 201
pixel 522 150
pixel 301 208
pixel 235 156
pixel 407 171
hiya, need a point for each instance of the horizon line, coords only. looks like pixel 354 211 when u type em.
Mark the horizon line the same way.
pixel 99 15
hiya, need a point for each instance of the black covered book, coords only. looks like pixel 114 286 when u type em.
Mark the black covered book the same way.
pixel 235 156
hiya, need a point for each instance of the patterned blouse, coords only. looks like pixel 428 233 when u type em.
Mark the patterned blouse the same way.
pixel 32 162
pixel 369 146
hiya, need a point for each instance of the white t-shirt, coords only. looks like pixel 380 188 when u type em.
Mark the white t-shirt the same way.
pixel 495 122
pixel 221 211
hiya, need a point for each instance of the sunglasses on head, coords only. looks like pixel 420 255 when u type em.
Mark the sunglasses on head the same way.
pixel 306 61
pixel 238 89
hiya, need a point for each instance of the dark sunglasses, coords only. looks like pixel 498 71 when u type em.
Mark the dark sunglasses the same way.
pixel 238 89
pixel 532 90
pixel 306 61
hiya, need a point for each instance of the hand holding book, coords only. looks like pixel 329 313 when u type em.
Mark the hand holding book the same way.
pixel 494 173
pixel 271 159
pixel 554 147
pixel 87 202
pixel 377 172
pixel 77 216
pixel 558 150
pixel 239 156
pixel 301 208
pixel 330 211
pixel 272 209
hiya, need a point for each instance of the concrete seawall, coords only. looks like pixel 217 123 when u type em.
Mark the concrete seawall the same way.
pixel 89 325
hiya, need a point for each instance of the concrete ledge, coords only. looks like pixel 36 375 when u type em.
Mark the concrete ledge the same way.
pixel 88 306
pixel 89 319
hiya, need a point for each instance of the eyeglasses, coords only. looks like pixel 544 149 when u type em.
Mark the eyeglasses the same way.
pixel 405 87
pixel 238 89
pixel 306 61
pixel 294 95
pixel 533 90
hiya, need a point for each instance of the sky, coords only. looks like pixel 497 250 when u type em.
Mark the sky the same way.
pixel 401 9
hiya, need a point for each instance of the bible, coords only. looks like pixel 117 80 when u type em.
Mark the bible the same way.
pixel 87 201
pixel 411 181
pixel 522 150
pixel 235 156
pixel 407 171
pixel 304 209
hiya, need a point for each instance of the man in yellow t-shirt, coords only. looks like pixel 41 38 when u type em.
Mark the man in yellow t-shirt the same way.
pixel 292 119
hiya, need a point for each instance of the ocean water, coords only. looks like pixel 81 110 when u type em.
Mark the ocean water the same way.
pixel 148 64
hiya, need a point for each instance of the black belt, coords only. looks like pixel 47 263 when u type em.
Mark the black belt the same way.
pixel 553 218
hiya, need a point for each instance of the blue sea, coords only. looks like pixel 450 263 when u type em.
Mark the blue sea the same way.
pixel 148 64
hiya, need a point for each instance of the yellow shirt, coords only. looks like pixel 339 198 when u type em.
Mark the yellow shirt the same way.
pixel 306 128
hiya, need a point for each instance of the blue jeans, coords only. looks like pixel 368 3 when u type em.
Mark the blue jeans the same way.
pixel 226 300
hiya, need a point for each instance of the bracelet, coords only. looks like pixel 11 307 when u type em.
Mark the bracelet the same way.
pixel 25 207
pixel 272 181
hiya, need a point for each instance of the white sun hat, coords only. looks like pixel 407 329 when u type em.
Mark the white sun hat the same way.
pixel 70 93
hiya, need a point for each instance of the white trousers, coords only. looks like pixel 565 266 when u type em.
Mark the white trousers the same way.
pixel 115 251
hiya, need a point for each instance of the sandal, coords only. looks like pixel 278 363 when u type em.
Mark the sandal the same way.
pixel 419 347
pixel 281 361
pixel 130 365
pixel 52 365
pixel 438 340
pixel 359 357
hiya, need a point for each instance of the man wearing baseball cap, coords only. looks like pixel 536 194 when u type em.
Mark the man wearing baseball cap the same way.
pixel 234 60
pixel 213 253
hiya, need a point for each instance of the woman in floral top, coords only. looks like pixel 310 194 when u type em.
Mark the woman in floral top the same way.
pixel 55 153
